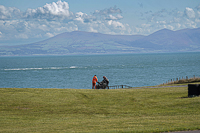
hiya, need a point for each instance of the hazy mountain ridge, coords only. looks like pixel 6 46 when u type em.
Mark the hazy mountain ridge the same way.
pixel 80 42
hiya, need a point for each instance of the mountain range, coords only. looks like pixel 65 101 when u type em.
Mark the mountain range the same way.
pixel 79 42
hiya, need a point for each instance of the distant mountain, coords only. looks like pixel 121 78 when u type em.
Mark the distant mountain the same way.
pixel 79 42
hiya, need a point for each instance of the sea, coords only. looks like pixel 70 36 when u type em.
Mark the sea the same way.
pixel 77 71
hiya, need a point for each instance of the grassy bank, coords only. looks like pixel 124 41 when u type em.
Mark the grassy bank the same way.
pixel 183 81
pixel 86 110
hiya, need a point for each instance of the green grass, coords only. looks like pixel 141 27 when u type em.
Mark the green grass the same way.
pixel 87 110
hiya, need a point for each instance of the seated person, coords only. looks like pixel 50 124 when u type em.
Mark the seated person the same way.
pixel 105 81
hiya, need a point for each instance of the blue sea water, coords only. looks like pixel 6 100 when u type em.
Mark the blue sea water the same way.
pixel 135 70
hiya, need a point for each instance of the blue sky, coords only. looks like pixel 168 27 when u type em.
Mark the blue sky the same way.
pixel 27 21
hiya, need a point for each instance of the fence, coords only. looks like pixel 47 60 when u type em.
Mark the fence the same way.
pixel 180 79
pixel 119 86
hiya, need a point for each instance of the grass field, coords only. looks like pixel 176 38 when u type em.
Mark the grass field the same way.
pixel 86 110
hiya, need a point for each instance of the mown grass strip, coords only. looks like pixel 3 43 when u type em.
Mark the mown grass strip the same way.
pixel 86 110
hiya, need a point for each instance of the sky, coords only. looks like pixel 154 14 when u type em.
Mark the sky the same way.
pixel 29 21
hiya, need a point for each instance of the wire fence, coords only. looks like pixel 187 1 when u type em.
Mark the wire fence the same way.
pixel 183 79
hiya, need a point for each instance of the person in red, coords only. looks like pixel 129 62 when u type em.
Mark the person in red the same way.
pixel 94 81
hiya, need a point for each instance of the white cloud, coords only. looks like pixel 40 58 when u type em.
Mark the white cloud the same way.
pixel 5 14
pixel 189 12
pixel 198 7
pixel 198 14
pixel 190 23
pixel 173 20
pixel 49 34
pixel 116 24
pixel 91 29
pixel 58 10
pixel 178 25
pixel 21 36
pixel 111 10
pixel 119 16
pixel 83 17
pixel 111 17
pixel 54 18
pixel 0 34
pixel 9 13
